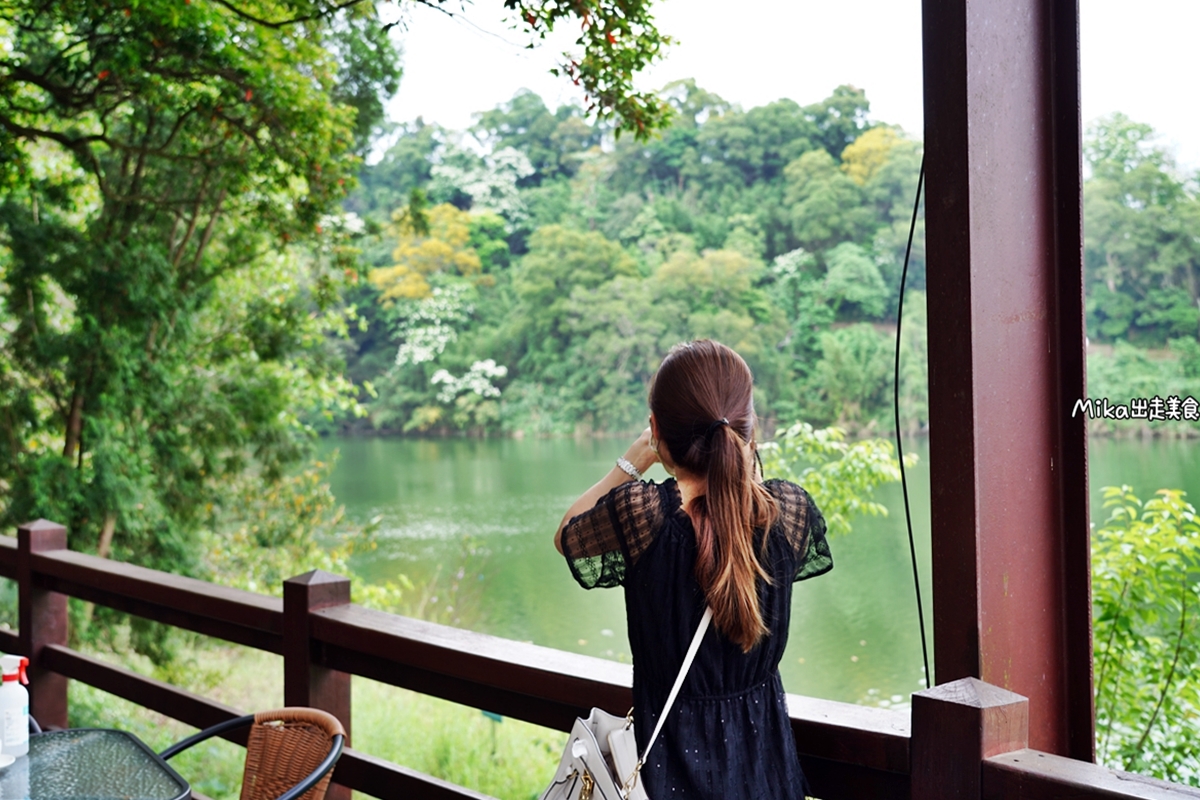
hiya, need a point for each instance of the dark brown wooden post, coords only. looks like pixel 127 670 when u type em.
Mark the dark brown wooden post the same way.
pixel 43 620
pixel 304 682
pixel 1007 457
pixel 954 727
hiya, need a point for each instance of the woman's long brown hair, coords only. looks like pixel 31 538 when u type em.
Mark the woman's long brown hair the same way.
pixel 702 399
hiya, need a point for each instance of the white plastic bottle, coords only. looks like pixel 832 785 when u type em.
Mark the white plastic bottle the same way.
pixel 14 706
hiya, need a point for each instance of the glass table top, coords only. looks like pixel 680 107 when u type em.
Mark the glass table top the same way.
pixel 90 764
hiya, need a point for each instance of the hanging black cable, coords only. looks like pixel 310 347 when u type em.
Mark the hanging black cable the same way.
pixel 912 546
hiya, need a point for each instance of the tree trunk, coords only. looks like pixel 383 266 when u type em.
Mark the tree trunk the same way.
pixel 102 549
pixel 74 424
pixel 106 534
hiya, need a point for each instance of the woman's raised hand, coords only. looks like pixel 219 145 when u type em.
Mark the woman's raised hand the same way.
pixel 640 453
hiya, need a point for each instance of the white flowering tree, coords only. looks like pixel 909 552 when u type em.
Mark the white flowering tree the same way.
pixel 490 181
pixel 472 397
pixel 428 299
pixel 427 326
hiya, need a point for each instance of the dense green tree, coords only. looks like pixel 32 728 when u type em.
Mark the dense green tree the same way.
pixel 619 332
pixel 914 364
pixel 840 118
pixel 1142 237
pixel 680 228
pixel 162 153
pixel 551 142
pixel 489 238
pixel 723 301
pixel 851 383
pixel 559 261
pixel 826 204
pixel 405 166
pixel 755 145
pixel 853 286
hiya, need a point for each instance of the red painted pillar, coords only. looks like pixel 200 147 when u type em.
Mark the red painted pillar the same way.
pixel 1008 464
pixel 42 617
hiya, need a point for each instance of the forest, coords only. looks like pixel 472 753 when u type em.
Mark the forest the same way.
pixel 525 275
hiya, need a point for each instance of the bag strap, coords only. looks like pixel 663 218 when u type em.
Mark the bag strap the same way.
pixel 683 671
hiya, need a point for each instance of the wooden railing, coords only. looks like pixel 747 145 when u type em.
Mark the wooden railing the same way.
pixel 848 751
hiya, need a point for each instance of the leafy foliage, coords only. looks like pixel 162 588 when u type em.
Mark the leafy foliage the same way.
pixel 262 535
pixel 595 261
pixel 161 336
pixel 840 475
pixel 618 39
pixel 1142 237
pixel 1146 596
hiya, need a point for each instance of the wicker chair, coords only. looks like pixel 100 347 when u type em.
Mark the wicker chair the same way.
pixel 290 752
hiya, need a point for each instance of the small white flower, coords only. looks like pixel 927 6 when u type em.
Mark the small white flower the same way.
pixel 477 380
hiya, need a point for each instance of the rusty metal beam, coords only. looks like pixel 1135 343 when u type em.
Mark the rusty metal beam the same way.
pixel 1011 569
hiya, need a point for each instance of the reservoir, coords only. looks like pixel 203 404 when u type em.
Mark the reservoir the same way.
pixel 469 523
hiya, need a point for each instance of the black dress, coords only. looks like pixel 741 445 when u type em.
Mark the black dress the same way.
pixel 728 735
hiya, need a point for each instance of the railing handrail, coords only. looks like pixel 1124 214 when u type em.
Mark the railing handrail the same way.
pixel 526 681
pixel 848 750
pixel 521 680
pixel 1007 774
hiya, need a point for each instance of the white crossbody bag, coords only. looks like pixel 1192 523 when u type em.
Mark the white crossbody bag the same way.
pixel 600 761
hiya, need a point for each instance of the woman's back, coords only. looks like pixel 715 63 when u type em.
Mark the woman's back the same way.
pixel 694 541
pixel 728 734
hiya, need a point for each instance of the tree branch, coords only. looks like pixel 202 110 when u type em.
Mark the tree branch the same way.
pixel 1112 633
pixel 191 226
pixel 1183 585
pixel 1111 708
pixel 206 237
pixel 284 23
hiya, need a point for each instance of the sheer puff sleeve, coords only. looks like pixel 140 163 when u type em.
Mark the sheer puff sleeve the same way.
pixel 601 543
pixel 802 523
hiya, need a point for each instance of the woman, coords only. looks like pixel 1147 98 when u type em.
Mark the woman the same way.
pixel 714 535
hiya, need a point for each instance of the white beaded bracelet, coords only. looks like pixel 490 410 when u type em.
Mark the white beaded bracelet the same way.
pixel 629 469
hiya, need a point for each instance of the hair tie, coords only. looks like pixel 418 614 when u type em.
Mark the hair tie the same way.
pixel 715 425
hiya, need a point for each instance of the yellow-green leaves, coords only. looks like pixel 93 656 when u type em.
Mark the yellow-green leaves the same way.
pixel 445 249
pixel 865 156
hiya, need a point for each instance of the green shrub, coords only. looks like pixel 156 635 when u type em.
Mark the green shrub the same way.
pixel 1146 599
pixel 841 476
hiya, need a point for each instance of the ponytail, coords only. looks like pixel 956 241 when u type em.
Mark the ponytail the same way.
pixel 728 570
pixel 702 399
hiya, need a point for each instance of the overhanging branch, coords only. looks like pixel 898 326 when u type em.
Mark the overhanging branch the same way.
pixel 246 15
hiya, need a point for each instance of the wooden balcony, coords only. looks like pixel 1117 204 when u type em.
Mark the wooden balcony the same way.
pixel 964 739
pixel 1008 465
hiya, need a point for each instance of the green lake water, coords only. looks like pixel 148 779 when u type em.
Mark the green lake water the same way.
pixel 470 523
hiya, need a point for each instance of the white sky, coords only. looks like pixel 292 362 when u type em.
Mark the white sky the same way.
pixel 1136 58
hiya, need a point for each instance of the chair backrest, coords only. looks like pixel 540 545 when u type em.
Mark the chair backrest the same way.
pixel 284 746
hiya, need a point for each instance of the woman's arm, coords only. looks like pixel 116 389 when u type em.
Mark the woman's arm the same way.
pixel 639 454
